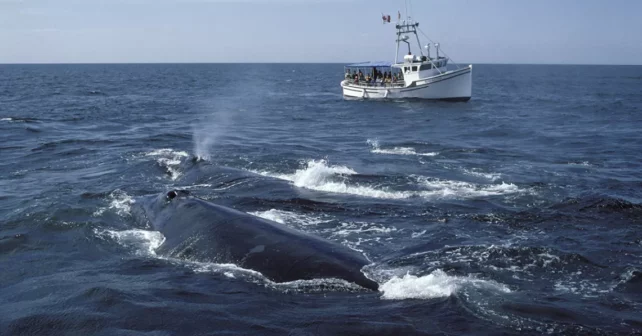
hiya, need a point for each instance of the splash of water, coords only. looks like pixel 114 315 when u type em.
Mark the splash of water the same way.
pixel 434 285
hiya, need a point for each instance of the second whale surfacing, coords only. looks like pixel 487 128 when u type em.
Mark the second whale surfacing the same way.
pixel 198 230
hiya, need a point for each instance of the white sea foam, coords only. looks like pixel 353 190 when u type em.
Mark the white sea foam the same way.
pixel 194 186
pixel 120 202
pixel 318 175
pixel 361 228
pixel 313 285
pixel 143 242
pixel 402 151
pixel 434 285
pixel 418 234
pixel 490 176
pixel 396 150
pixel 233 271
pixel 6 119
pixel 457 189
pixel 289 218
pixel 585 287
pixel 170 160
pixel 584 163
pixel 514 258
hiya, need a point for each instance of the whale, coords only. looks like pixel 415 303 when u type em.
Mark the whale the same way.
pixel 196 229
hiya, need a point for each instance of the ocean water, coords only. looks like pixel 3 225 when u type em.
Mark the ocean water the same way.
pixel 518 212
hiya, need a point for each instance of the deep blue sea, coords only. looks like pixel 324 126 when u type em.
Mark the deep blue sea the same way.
pixel 516 213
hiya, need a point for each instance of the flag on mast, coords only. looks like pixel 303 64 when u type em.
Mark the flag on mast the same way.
pixel 386 18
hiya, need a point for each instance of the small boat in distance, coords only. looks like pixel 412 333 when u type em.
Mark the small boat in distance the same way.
pixel 418 76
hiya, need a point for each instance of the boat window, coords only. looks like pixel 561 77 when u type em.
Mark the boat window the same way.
pixel 425 67
pixel 414 68
pixel 405 69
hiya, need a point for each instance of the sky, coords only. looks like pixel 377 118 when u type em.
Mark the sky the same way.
pixel 302 31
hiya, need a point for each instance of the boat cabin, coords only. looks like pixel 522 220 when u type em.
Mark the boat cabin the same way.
pixel 419 67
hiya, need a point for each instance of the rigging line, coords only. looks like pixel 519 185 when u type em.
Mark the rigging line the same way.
pixel 406 8
pixel 433 43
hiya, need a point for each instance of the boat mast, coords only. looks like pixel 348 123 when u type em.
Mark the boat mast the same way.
pixel 397 51
pixel 404 28
pixel 418 42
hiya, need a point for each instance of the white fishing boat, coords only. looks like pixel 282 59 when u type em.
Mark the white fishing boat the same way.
pixel 418 76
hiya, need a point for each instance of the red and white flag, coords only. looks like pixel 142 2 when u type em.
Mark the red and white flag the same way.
pixel 386 18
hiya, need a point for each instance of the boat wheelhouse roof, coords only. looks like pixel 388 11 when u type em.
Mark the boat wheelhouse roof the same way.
pixel 376 64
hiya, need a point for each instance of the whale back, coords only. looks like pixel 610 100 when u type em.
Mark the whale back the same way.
pixel 199 230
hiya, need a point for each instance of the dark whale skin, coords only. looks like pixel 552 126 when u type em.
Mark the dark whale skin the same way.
pixel 198 230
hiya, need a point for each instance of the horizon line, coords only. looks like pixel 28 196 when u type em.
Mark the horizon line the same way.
pixel 343 63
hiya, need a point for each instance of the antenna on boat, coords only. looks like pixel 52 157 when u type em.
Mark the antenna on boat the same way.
pixel 427 50
pixel 406 7
pixel 437 48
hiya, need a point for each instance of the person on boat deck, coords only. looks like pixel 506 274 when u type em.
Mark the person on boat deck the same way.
pixel 361 77
pixel 348 74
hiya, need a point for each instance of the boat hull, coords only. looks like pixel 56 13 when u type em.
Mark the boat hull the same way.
pixel 450 86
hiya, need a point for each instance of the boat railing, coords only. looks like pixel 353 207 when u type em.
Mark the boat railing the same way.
pixel 363 83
